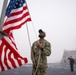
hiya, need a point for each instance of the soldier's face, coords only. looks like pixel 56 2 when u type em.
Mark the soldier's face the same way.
pixel 41 35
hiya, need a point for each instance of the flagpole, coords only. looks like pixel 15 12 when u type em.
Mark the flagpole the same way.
pixel 3 13
pixel 2 18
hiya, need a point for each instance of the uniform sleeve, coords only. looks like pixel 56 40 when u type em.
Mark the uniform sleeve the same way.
pixel 47 49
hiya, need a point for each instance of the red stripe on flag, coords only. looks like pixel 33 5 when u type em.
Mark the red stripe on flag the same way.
pixel 1 47
pixel 17 19
pixel 10 59
pixel 18 13
pixel 5 59
pixel 16 27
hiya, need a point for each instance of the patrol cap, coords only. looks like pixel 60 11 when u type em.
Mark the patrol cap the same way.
pixel 40 31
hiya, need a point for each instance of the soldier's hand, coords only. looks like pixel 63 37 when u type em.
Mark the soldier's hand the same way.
pixel 39 46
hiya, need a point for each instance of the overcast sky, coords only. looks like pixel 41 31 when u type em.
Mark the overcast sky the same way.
pixel 57 18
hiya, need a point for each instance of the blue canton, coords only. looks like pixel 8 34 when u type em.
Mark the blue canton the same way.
pixel 14 4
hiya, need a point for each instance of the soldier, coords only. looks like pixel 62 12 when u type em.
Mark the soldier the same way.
pixel 71 63
pixel 39 52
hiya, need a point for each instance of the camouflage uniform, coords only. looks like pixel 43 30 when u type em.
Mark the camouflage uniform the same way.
pixel 42 66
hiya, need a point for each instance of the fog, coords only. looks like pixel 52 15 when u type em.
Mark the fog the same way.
pixel 57 18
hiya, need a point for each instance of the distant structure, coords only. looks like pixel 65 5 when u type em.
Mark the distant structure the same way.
pixel 67 54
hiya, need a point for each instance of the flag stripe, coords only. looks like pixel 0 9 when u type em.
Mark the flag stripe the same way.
pixel 18 11
pixel 16 27
pixel 5 59
pixel 10 47
pixel 16 15
pixel 18 19
pixel 1 58
pixel 10 59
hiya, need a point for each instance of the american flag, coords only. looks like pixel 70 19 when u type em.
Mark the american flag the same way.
pixel 17 14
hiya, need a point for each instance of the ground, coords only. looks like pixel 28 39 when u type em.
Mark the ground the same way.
pixel 53 69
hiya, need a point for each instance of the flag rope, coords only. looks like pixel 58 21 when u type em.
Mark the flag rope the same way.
pixel 32 22
pixel 30 47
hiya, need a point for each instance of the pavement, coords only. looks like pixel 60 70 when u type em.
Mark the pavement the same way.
pixel 53 69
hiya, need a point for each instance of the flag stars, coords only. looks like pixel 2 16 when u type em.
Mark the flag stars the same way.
pixel 14 7
pixel 22 1
pixel 20 4
pixel 16 0
pixel 8 11
pixel 16 3
pixel 12 1
pixel 9 7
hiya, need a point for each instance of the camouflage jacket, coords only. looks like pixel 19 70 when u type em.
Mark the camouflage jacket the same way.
pixel 43 54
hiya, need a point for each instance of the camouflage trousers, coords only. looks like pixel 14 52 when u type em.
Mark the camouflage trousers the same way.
pixel 40 71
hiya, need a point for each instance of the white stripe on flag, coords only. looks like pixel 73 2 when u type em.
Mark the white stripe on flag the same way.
pixel 16 23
